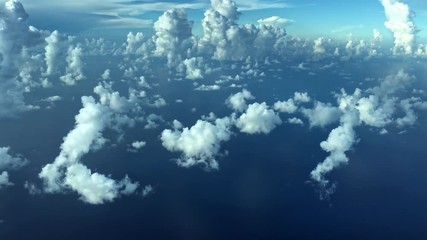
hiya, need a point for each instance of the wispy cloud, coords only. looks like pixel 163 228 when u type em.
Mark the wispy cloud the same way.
pixel 346 28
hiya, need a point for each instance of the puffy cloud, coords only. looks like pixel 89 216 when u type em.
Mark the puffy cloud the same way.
pixel 295 121
pixel 15 35
pixel 95 188
pixel 393 83
pixel 291 105
pixel 237 101
pixel 4 180
pixel 375 112
pixel 52 52
pixel 147 190
pixel 74 70
pixel 200 144
pixel 134 43
pixel 322 114
pixel 258 118
pixel 286 106
pixel 173 37
pixel 340 140
pixel 318 47
pixel 226 8
pixel 301 97
pixel 194 68
pixel 106 74
pixel 275 21
pixel 66 172
pixel 138 144
pixel 8 161
pixel 226 40
pixel 399 22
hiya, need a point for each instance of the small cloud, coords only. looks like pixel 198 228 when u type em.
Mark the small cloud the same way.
pixel 276 21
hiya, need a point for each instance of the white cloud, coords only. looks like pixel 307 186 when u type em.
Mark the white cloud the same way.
pixel 147 190
pixel 318 46
pixel 95 188
pixel 226 8
pixel 200 144
pixel 295 121
pixel 138 144
pixel 276 21
pixel 258 118
pixel 4 180
pixel 322 114
pixel 74 70
pixel 15 36
pixel 173 38
pixel 194 68
pixel 7 161
pixel 52 52
pixel 66 172
pixel 399 22
pixel 237 101
pixel 204 87
pixel 286 106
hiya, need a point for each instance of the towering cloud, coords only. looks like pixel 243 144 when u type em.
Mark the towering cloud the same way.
pixel 74 70
pixel 399 22
pixel 52 53
pixel 15 34
pixel 173 36
pixel 226 40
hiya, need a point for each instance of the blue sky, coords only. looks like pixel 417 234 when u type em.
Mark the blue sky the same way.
pixel 328 18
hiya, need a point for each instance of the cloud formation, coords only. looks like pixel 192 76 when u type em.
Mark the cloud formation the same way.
pixel 200 144
pixel 258 118
pixel 67 172
pixel 399 22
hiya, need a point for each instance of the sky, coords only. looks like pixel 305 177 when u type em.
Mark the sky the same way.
pixel 217 119
pixel 309 18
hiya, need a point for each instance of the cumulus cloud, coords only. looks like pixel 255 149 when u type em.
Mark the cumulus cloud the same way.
pixel 67 172
pixel 340 140
pixel 318 47
pixel 375 107
pixel 226 8
pixel 173 37
pixel 95 188
pixel 399 22
pixel 15 35
pixel 291 105
pixel 4 180
pixel 226 40
pixel 9 162
pixel 237 101
pixel 52 52
pixel 200 144
pixel 134 43
pixel 194 68
pixel 322 114
pixel 258 118
pixel 74 70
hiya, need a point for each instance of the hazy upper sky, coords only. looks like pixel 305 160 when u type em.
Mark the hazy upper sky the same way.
pixel 308 18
